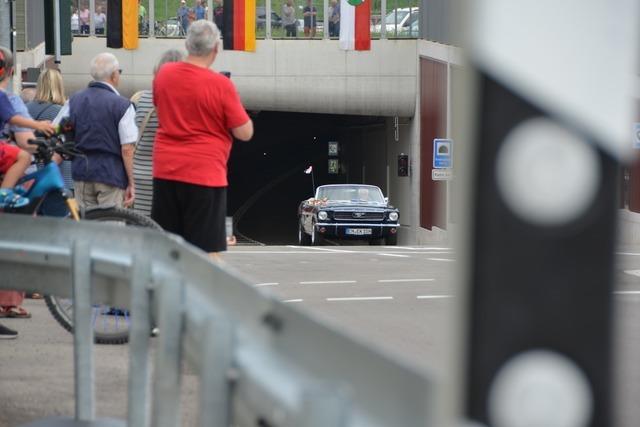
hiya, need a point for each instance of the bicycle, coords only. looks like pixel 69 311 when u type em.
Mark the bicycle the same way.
pixel 111 325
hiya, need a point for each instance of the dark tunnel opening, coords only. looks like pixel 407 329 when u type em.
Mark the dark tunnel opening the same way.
pixel 266 175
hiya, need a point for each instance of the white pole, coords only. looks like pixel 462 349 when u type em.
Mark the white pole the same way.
pixel 152 18
pixel 92 12
pixel 56 29
pixel 325 25
pixel 267 24
pixel 383 18
pixel 210 10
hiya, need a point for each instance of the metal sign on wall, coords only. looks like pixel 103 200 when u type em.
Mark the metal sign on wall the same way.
pixel 442 153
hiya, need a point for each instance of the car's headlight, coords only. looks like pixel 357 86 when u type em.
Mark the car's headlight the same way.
pixel 393 216
pixel 322 215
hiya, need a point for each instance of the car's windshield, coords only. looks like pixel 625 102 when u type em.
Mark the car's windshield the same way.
pixel 351 193
pixel 391 18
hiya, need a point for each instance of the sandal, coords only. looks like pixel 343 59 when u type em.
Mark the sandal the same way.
pixel 17 313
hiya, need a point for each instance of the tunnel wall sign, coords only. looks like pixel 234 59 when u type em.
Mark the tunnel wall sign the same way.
pixel 442 158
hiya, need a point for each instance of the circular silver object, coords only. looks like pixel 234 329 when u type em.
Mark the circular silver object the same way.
pixel 540 388
pixel 546 174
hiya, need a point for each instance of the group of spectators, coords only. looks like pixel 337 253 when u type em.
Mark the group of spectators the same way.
pixel 81 20
pixel 187 15
pixel 309 14
pixel 166 158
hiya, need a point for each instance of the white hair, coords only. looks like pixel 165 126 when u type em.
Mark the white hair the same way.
pixel 202 38
pixel 103 66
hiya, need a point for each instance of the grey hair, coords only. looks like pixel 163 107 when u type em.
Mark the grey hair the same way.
pixel 202 38
pixel 103 66
pixel 8 62
pixel 172 55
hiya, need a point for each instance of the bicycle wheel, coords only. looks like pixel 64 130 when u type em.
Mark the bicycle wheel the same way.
pixel 110 324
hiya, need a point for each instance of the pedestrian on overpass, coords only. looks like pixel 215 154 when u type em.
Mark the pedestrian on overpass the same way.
pixel 199 113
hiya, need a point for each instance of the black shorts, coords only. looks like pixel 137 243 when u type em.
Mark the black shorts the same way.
pixel 195 212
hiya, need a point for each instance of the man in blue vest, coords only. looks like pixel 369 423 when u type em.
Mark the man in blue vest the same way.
pixel 106 133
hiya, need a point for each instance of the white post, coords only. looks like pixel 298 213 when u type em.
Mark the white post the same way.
pixel 92 24
pixel 152 18
pixel 267 23
pixel 325 24
pixel 210 10
pixel 383 18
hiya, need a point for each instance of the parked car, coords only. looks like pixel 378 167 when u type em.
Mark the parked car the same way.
pixel 261 18
pixel 347 211
pixel 398 20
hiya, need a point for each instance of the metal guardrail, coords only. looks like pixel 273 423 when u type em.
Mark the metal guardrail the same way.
pixel 260 362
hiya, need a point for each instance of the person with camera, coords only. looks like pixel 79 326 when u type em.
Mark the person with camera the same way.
pixel 199 113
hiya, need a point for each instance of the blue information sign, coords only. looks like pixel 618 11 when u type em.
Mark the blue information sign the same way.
pixel 442 153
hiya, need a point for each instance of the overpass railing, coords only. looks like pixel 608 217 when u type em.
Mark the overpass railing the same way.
pixel 260 362
pixel 165 18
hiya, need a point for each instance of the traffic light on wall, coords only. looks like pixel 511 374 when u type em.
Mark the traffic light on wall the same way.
pixel 65 27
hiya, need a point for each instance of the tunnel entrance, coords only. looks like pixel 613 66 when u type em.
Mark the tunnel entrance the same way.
pixel 266 175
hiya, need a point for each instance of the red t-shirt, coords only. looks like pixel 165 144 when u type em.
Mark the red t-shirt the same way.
pixel 196 109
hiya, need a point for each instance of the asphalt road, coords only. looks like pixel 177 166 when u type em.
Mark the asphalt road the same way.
pixel 396 298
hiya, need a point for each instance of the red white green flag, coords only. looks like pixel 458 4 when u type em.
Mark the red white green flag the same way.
pixel 355 21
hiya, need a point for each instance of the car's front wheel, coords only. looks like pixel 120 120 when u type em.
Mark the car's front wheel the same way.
pixel 303 238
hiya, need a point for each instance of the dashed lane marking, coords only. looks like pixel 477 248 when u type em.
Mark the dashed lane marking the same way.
pixel 627 292
pixel 433 296
pixel 266 284
pixel 628 253
pixel 293 300
pixel 322 249
pixel 404 280
pixel 424 248
pixel 328 282
pixel 633 272
pixel 441 259
pixel 394 255
pixel 359 299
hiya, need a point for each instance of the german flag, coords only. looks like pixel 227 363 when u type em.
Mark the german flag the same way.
pixel 239 25
pixel 122 24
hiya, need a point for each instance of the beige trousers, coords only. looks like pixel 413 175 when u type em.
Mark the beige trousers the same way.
pixel 93 194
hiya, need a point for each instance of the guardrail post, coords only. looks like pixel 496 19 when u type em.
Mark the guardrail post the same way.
pixel 166 393
pixel 138 413
pixel 217 356
pixel 83 331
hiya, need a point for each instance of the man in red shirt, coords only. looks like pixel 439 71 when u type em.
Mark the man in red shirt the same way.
pixel 199 114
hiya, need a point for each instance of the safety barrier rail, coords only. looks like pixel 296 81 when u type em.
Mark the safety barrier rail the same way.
pixel 260 362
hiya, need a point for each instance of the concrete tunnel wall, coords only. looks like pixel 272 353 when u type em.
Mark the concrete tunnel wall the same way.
pixel 312 76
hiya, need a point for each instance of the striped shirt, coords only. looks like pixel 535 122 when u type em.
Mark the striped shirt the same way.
pixel 142 158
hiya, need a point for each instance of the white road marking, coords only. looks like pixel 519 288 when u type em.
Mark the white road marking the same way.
pixel 322 249
pixel 633 272
pixel 327 282
pixel 441 259
pixel 404 280
pixel 293 300
pixel 628 253
pixel 409 248
pixel 627 293
pixel 266 284
pixel 395 255
pixel 359 298
pixel 433 296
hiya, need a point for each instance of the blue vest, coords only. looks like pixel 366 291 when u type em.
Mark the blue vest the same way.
pixel 96 113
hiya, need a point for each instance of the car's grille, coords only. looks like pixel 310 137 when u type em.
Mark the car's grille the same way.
pixel 358 216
